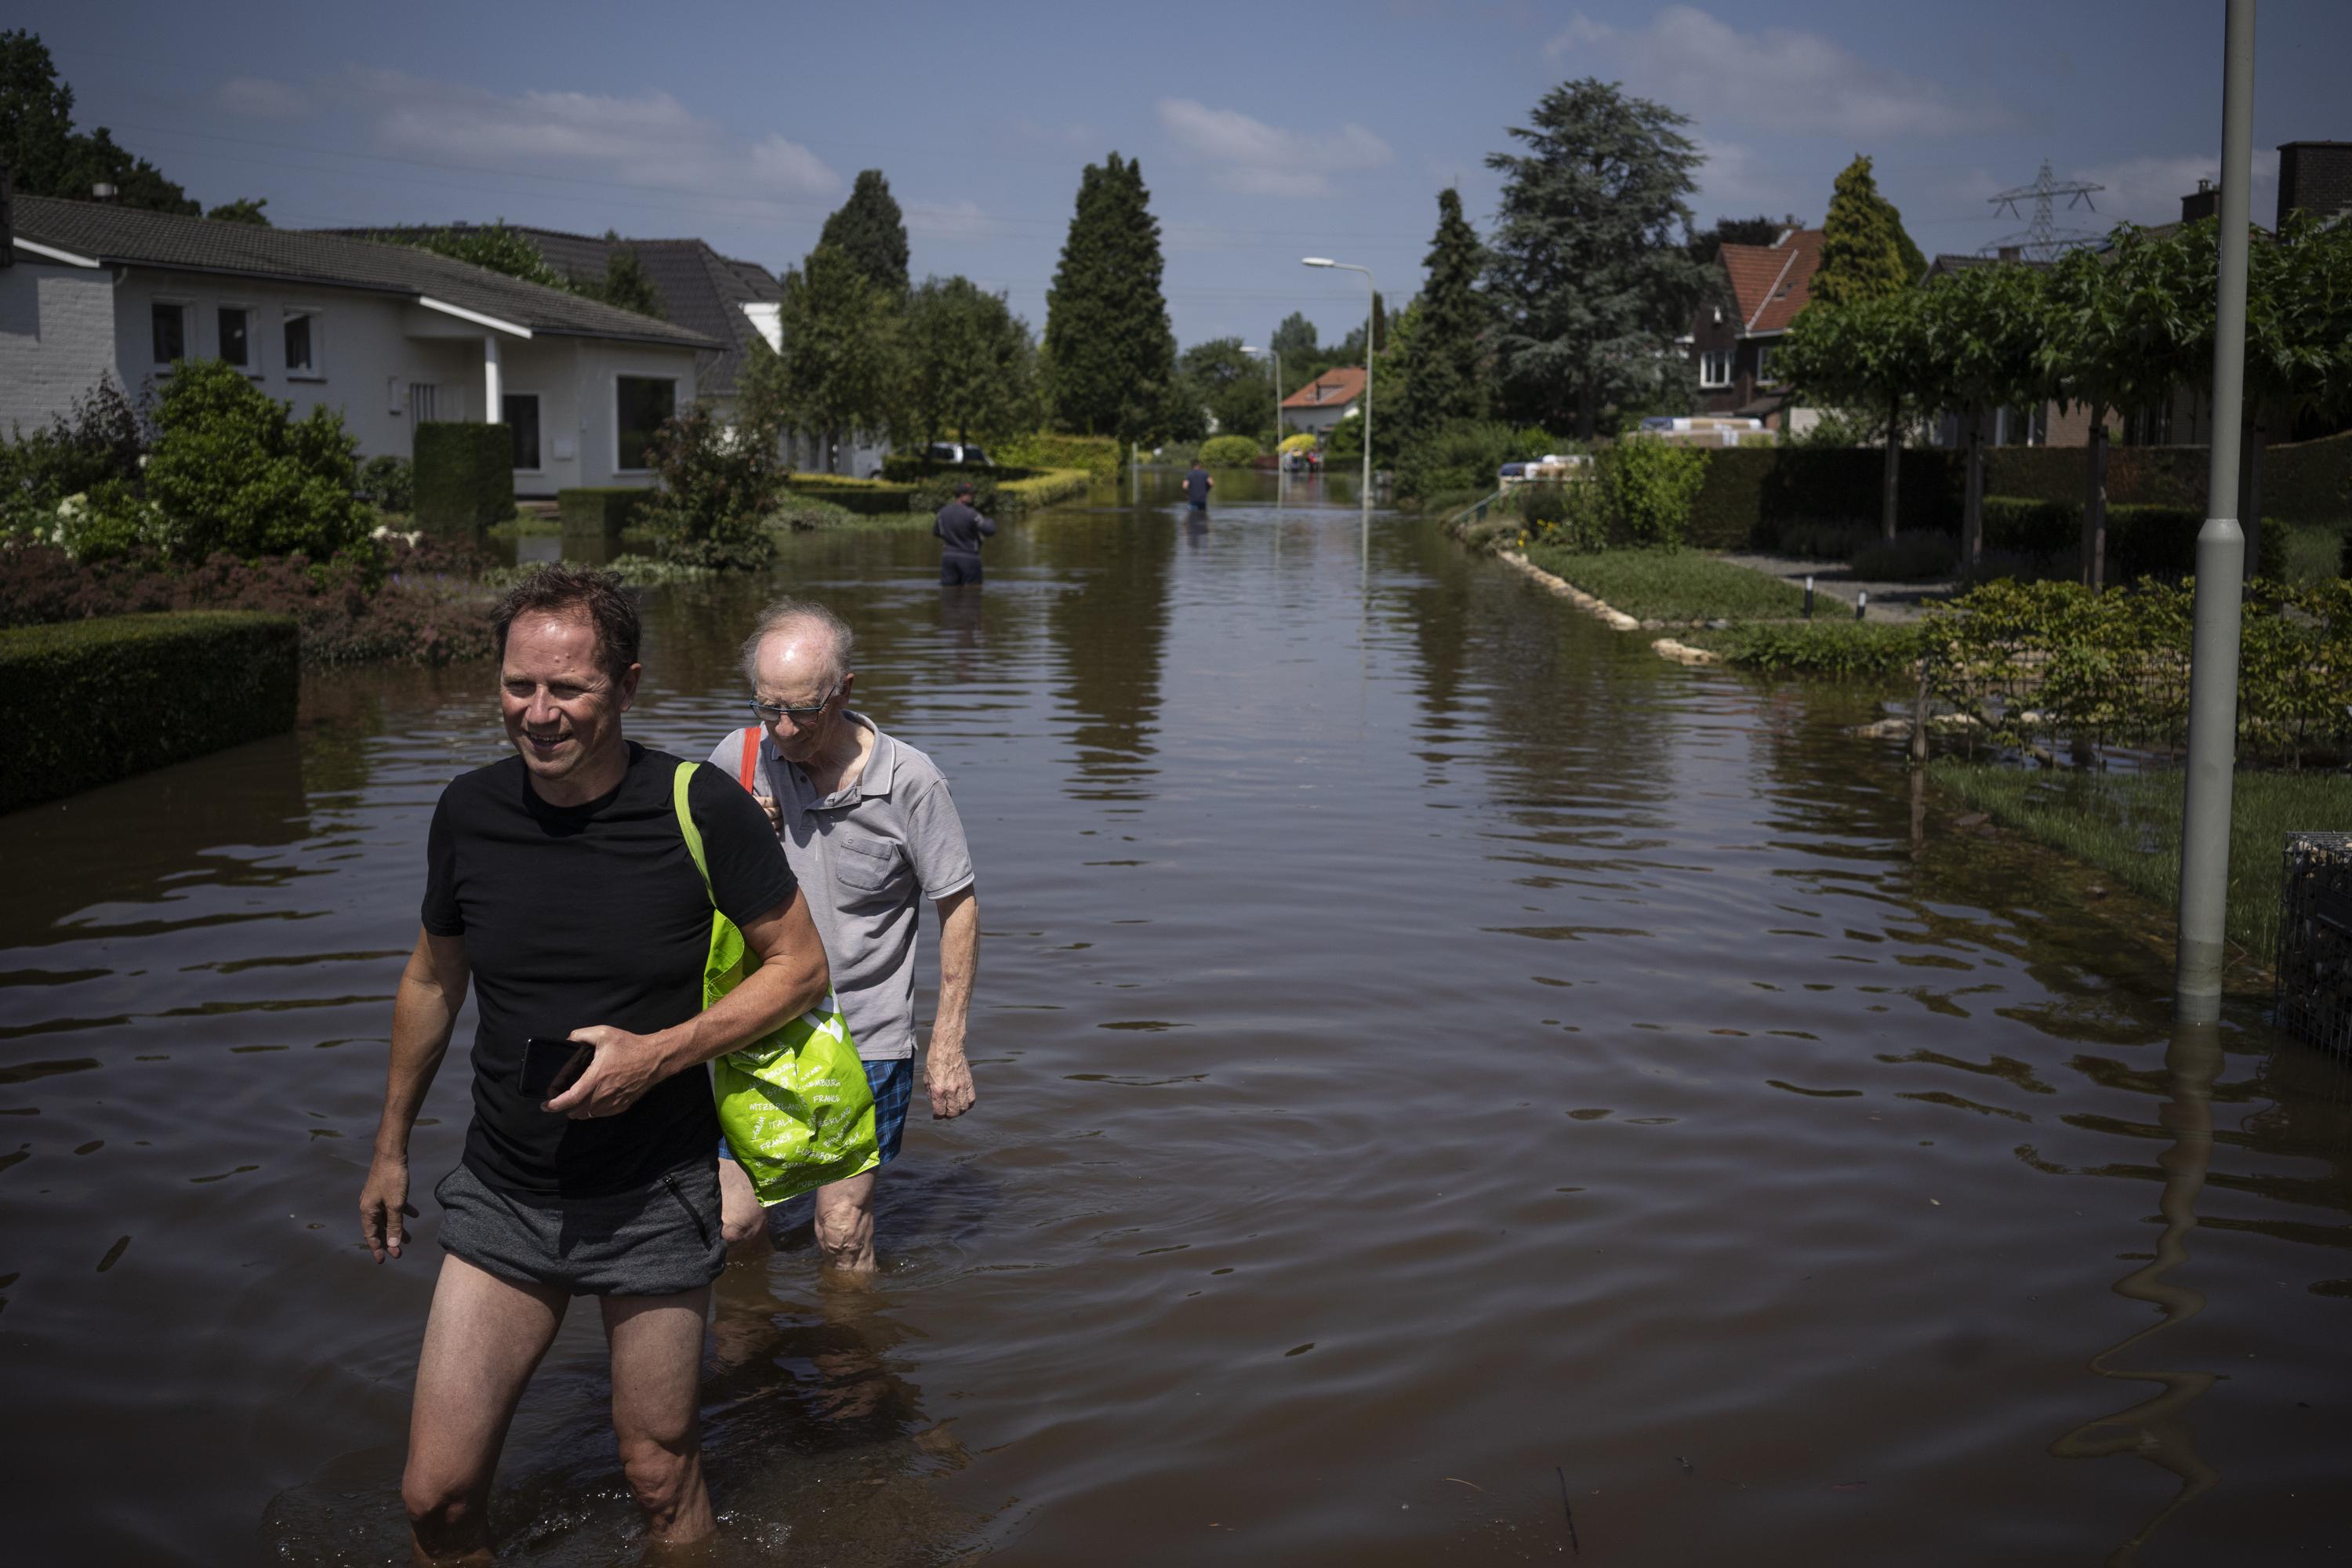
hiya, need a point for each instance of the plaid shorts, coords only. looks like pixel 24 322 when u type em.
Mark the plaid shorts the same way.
pixel 893 1083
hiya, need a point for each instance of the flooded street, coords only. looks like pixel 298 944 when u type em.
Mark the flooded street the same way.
pixel 1432 1053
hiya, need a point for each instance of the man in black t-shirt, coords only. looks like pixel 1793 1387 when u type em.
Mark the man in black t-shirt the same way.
pixel 559 885
pixel 960 528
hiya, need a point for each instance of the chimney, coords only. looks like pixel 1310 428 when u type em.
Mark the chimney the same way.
pixel 2205 203
pixel 103 191
pixel 7 219
pixel 2315 177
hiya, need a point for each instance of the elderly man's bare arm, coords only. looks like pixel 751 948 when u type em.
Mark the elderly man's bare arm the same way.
pixel 947 1073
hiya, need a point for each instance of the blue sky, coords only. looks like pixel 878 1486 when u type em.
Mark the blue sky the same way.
pixel 1265 133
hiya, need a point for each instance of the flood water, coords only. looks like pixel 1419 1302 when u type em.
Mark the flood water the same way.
pixel 1432 1055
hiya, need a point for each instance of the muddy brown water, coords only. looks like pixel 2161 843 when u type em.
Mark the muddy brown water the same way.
pixel 1432 1053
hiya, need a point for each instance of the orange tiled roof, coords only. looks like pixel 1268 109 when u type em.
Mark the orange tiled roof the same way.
pixel 1333 389
pixel 1770 283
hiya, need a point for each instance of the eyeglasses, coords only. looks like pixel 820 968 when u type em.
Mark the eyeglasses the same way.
pixel 772 711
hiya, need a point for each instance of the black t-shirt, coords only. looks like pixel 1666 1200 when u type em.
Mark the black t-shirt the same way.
pixel 960 528
pixel 590 914
pixel 1196 487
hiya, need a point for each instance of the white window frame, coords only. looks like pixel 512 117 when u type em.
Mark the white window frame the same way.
pixel 541 404
pixel 1721 357
pixel 187 309
pixel 316 369
pixel 252 366
pixel 613 403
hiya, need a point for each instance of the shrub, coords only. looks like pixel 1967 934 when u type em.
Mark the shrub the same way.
pixel 388 483
pixel 233 471
pixel 909 470
pixel 933 493
pixel 464 476
pixel 867 498
pixel 715 497
pixel 1649 487
pixel 99 439
pixel 111 519
pixel 1228 452
pixel 95 701
pixel 1830 649
pixel 599 511
pixel 1047 449
pixel 804 514
pixel 2143 540
pixel 1469 455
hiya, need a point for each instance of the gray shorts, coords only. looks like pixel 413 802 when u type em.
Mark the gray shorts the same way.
pixel 659 1240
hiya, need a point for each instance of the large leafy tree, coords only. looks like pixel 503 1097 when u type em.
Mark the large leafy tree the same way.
pixel 245 210
pixel 1444 353
pixel 1588 263
pixel 48 157
pixel 493 245
pixel 871 231
pixel 1235 388
pixel 625 282
pixel 1706 244
pixel 1302 355
pixel 1106 336
pixel 1862 254
pixel 972 365
pixel 842 364
pixel 1871 352
pixel 1984 329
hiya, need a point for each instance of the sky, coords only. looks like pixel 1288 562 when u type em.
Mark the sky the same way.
pixel 1265 133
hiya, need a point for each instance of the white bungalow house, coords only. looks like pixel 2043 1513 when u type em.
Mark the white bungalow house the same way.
pixel 1325 401
pixel 390 335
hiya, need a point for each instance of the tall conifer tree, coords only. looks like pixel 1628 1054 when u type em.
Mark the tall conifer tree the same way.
pixel 1862 258
pixel 871 232
pixel 1444 375
pixel 1107 343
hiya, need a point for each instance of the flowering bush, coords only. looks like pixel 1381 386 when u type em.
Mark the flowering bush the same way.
pixel 715 497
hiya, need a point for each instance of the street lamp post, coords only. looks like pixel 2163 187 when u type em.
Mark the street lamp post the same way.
pixel 1276 353
pixel 1369 307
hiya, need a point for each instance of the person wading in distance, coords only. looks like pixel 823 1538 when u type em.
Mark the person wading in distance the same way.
pixel 871 833
pixel 960 530
pixel 559 885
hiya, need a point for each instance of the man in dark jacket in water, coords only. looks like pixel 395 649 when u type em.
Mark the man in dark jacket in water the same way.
pixel 960 530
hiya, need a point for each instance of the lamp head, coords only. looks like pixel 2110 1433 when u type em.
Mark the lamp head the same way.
pixel 1317 260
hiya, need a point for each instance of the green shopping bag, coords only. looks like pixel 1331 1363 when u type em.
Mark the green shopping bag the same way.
pixel 795 1105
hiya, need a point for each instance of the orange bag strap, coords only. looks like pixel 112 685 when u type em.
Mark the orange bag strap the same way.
pixel 748 774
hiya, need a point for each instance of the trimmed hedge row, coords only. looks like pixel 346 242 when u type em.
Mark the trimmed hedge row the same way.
pixel 86 703
pixel 1046 449
pixel 867 498
pixel 464 478
pixel 1750 493
pixel 2142 541
pixel 908 470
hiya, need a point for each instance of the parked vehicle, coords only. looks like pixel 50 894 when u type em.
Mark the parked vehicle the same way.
pixel 961 454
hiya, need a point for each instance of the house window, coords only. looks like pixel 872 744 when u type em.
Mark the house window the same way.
pixel 1715 367
pixel 171 329
pixel 1764 375
pixel 519 410
pixel 641 403
pixel 236 336
pixel 302 343
pixel 423 402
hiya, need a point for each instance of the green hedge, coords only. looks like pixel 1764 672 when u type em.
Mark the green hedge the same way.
pixel 1048 449
pixel 2142 541
pixel 599 511
pixel 912 470
pixel 86 703
pixel 867 498
pixel 464 478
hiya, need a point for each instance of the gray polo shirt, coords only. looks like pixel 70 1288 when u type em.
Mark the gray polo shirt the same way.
pixel 868 856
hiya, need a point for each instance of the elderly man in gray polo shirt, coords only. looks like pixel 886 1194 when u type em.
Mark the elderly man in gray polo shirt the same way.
pixel 870 831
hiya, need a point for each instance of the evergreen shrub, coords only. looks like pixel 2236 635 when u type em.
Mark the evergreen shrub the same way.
pixel 1648 488
pixel 233 471
pixel 715 496
pixel 1053 449
pixel 464 478
pixel 86 703
pixel 388 483
pixel 1228 452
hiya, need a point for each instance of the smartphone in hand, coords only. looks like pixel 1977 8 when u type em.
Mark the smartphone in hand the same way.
pixel 549 1066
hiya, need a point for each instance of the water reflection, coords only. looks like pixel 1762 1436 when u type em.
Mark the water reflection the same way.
pixel 2157 1429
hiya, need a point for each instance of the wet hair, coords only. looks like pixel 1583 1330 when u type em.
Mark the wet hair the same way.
pixel 560 589
pixel 787 611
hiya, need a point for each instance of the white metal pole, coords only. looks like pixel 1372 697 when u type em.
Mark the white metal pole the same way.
pixel 2221 571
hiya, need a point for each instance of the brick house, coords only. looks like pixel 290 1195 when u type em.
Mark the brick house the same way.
pixel 1325 401
pixel 1731 342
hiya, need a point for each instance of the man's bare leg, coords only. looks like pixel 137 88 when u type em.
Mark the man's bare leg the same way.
pixel 741 1220
pixel 656 1388
pixel 483 1341
pixel 845 1223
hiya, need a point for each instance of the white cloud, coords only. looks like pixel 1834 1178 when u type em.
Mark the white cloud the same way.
pixel 960 220
pixel 649 138
pixel 2149 190
pixel 1252 157
pixel 260 97
pixel 1777 76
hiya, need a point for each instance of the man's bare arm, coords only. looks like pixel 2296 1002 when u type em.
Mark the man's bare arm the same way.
pixel 431 991
pixel 947 1073
pixel 791 979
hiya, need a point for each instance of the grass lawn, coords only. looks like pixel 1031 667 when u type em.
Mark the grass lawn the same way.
pixel 1673 585
pixel 2128 825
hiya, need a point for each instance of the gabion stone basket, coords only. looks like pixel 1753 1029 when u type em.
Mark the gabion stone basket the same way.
pixel 2314 952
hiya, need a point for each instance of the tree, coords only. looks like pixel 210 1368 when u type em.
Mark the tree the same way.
pixel 971 366
pixel 1588 264
pixel 1295 342
pixel 871 231
pixel 48 157
pixel 626 284
pixel 1235 388
pixel 1872 352
pixel 1983 333
pixel 245 210
pixel 1706 244
pixel 1444 362
pixel 493 245
pixel 1860 259
pixel 1107 333
pixel 840 366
